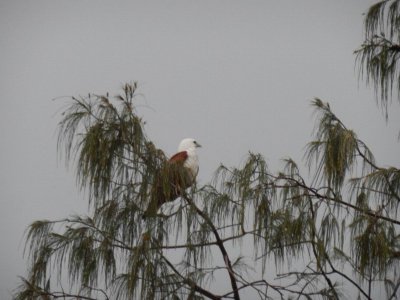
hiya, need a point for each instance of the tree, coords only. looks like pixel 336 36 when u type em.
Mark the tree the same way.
pixel 378 55
pixel 340 238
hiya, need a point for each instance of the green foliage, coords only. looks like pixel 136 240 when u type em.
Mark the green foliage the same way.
pixel 335 148
pixel 110 146
pixel 378 55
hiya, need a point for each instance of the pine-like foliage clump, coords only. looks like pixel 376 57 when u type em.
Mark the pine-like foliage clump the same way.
pixel 379 54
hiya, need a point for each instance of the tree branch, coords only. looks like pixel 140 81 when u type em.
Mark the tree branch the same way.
pixel 356 208
pixel 221 246
pixel 317 254
pixel 191 283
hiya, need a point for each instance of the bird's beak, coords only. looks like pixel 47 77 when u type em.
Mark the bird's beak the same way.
pixel 198 145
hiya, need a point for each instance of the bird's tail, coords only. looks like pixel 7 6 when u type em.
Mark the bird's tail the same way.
pixel 157 200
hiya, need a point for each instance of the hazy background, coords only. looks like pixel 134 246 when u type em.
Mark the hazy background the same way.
pixel 236 75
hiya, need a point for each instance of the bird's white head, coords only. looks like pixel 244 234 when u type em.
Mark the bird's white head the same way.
pixel 188 144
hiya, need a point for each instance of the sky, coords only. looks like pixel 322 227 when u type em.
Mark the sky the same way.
pixel 238 76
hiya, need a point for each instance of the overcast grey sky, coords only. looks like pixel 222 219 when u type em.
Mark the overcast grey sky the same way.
pixel 236 75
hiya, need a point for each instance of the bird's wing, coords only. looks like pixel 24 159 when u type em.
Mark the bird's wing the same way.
pixel 179 157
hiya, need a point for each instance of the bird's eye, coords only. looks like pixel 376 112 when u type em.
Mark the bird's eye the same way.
pixel 196 144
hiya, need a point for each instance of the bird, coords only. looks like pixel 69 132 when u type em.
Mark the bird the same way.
pixel 175 176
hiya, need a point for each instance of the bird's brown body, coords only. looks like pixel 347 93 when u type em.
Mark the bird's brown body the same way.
pixel 178 173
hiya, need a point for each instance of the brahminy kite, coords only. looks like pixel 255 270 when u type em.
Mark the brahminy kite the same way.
pixel 178 173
